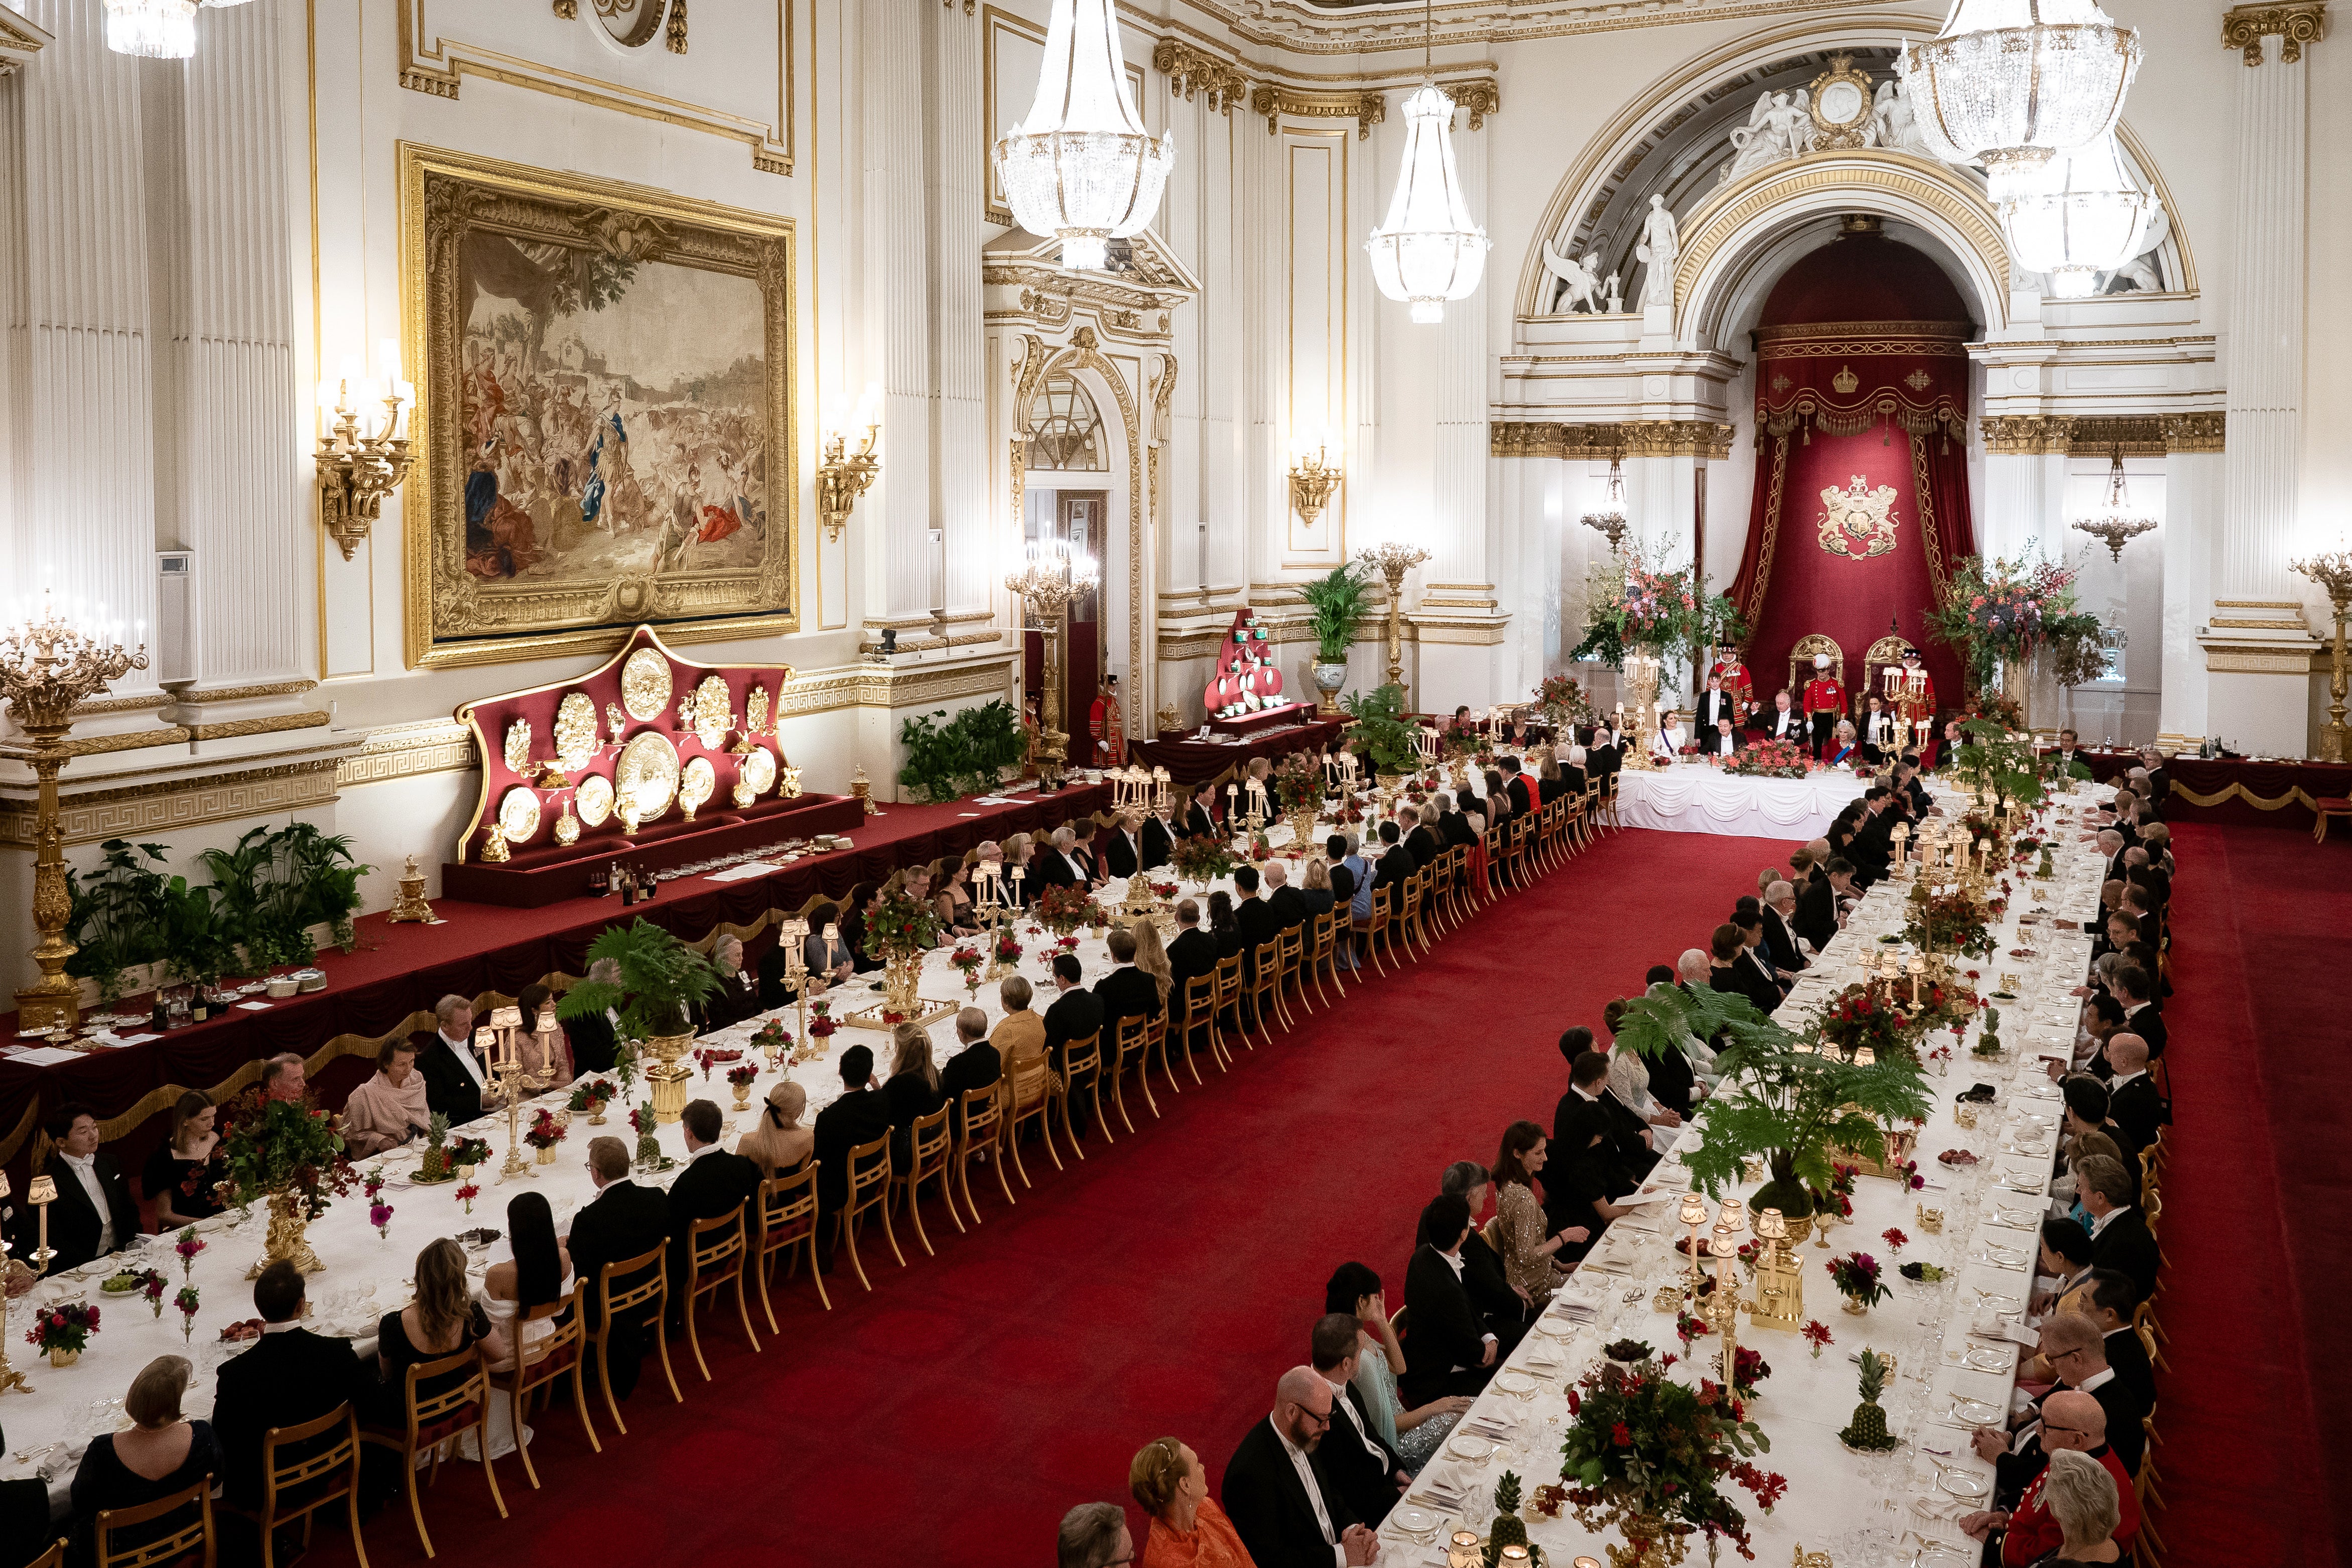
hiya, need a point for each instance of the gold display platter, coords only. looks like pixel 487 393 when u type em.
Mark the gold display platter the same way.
pixel 645 684
pixel 758 769
pixel 519 814
pixel 646 774
pixel 575 730
pixel 517 746
pixel 695 784
pixel 714 712
pixel 594 799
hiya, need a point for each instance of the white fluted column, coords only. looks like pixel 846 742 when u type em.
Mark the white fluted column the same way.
pixel 891 530
pixel 2024 494
pixel 1235 551
pixel 2192 533
pixel 960 429
pixel 81 396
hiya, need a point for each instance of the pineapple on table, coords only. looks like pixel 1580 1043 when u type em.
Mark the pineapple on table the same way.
pixel 435 1166
pixel 1508 1529
pixel 1868 1428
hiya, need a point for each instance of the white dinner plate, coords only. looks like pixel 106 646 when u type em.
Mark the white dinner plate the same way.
pixel 1516 1384
pixel 1414 1521
pixel 1973 1412
pixel 1963 1483
pixel 1462 1445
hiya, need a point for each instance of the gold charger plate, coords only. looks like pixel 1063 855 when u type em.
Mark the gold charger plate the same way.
pixel 758 769
pixel 647 773
pixel 519 814
pixel 696 782
pixel 575 730
pixel 714 712
pixel 645 684
pixel 594 799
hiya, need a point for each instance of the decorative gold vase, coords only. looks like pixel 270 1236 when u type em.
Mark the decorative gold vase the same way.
pixel 1855 1310
pixel 1648 1544
pixel 546 1155
pixel 64 1358
pixel 288 1219
pixel 669 1075
pixel 902 974
pixel 742 1097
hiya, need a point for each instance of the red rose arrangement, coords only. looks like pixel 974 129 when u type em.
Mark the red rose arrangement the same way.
pixel 186 1248
pixel 66 1327
pixel 742 1073
pixel 545 1132
pixel 969 959
pixel 821 1026
pixel 1749 1368
pixel 151 1285
pixel 1642 1445
pixel 1856 1278
pixel 186 1301
pixel 379 1211
pixel 1817 1334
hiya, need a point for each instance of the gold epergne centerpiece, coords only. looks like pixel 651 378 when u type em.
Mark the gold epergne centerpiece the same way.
pixel 1780 1301
pixel 48 664
pixel 653 980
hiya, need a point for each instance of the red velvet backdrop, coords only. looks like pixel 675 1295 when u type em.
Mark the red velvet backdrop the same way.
pixel 1884 400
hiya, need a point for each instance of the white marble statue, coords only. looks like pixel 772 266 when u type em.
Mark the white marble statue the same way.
pixel 1894 124
pixel 1616 297
pixel 1752 144
pixel 1792 123
pixel 1579 280
pixel 1658 250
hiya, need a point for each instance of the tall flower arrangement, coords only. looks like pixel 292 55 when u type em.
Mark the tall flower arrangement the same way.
pixel 272 1148
pixel 1635 599
pixel 2004 609
pixel 1658 1458
pixel 899 926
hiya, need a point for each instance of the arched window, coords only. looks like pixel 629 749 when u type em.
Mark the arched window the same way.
pixel 1065 430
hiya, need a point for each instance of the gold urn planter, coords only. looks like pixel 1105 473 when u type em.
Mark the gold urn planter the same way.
pixel 902 975
pixel 669 1074
pixel 546 1155
pixel 285 1243
pixel 742 1097
pixel 61 1358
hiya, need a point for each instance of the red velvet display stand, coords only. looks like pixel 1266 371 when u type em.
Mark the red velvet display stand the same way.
pixel 1190 762
pixel 532 879
pixel 1271 719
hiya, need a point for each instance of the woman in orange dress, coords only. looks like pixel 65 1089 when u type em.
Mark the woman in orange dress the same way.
pixel 1188 1528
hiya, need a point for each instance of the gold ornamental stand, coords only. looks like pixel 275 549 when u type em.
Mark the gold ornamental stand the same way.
pixel 11 1379
pixel 47 665
pixel 2332 572
pixel 1393 561
pixel 1047 583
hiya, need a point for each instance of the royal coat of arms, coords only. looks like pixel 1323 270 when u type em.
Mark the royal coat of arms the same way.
pixel 1858 521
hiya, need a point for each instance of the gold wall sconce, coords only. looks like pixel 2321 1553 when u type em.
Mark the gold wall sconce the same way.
pixel 841 475
pixel 1314 475
pixel 363 458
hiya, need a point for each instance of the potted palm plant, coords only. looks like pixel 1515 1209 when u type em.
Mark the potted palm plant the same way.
pixel 1335 603
pixel 659 979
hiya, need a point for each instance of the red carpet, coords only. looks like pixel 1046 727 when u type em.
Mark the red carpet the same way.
pixel 1160 1287
pixel 2256 1466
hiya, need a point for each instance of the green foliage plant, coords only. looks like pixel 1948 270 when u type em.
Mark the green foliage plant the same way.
pixel 1335 603
pixel 660 978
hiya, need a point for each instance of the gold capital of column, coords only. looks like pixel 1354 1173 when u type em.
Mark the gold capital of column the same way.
pixel 2300 22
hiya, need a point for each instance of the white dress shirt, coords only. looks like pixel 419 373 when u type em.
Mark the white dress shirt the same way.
pixel 1347 1413
pixel 1314 1485
pixel 464 1051
pixel 84 1170
pixel 2100 1222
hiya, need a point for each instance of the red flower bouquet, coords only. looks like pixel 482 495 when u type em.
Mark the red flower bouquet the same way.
pixel 1856 1278
pixel 545 1132
pixel 64 1329
pixel 1642 1449
pixel 743 1075
pixel 1817 1334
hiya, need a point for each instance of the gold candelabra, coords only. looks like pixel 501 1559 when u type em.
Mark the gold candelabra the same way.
pixel 47 665
pixel 841 477
pixel 1393 561
pixel 1048 582
pixel 11 1379
pixel 504 1052
pixel 2332 569
pixel 1313 476
pixel 361 463
pixel 1610 522
pixel 1779 1279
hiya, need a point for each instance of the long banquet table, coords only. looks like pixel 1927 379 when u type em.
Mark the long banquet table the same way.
pixel 1943 1337
pixel 1693 797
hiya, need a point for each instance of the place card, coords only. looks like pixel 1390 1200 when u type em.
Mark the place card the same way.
pixel 43 1057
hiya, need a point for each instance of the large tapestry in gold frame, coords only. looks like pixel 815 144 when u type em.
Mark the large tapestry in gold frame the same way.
pixel 492 579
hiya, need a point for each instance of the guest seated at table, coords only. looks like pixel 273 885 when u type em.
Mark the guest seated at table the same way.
pixel 778 1144
pixel 442 1320
pixel 1780 941
pixel 538 1272
pixel 548 1057
pixel 1451 1350
pixel 1360 1464
pixel 952 902
pixel 594 1037
pixel 2063 1260
pixel 162 1452
pixel 1496 799
pixel 1020 855
pixel 1314 891
pixel 1224 926
pixel 1282 900
pixel 1730 970
pixel 852 927
pixel 1189 1529
pixel 1666 744
pixel 454 1079
pixel 94 1214
pixel 2134 1109
pixel 912 1090
pixel 1201 817
pixel 1194 952
pixel 182 1173
pixel 1076 1015
pixel 2073 1346
pixel 289 1376
pixel 622 1221
pixel 1126 991
pixel 1060 867
pixel 2107 1298
pixel 1750 922
pixel 1415 1432
pixel 391 1108
pixel 1094 1536
pixel 975 1065
pixel 1286 1511
pixel 860 1116
pixel 736 999
pixel 1122 849
pixel 713 1183
pixel 1519 1232
pixel 2120 1239
pixel 1843 743
pixel 286 1076
pixel 2083 1482
pixel 1505 1310
pixel 1821 907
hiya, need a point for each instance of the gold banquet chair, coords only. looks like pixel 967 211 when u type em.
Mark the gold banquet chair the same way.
pixel 434 1421
pixel 787 1211
pixel 1229 996
pixel 710 1266
pixel 1265 987
pixel 1131 1053
pixel 309 1476
pixel 1199 1015
pixel 1082 1064
pixel 930 1149
pixel 559 1356
pixel 869 1188
pixel 982 1136
pixel 651 1273
pixel 192 1539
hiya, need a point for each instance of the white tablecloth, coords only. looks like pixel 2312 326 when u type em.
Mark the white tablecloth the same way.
pixel 1856 1508
pixel 1691 797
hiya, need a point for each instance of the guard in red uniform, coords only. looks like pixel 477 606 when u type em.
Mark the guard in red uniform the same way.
pixel 1736 682
pixel 1915 698
pixel 1106 723
pixel 1824 704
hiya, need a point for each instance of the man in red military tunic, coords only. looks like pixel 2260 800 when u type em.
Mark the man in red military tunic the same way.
pixel 1105 723
pixel 1915 698
pixel 1736 684
pixel 1824 704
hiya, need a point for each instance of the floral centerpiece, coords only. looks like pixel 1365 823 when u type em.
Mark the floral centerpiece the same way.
pixel 1858 1017
pixel 1749 1370
pixel 588 1099
pixel 2004 611
pixel 187 1300
pixel 1563 703
pixel 1298 795
pixel 821 1025
pixel 1007 950
pixel 740 1077
pixel 1950 921
pixel 63 1330
pixel 1770 758
pixel 151 1285
pixel 1856 1278
pixel 1656 1459
pixel 1064 907
pixel 284 1153
pixel 1200 860
pixel 969 959
pixel 900 928
pixel 544 1133
pixel 379 1211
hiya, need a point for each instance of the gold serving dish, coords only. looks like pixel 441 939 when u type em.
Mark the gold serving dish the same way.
pixel 517 746
pixel 594 799
pixel 575 730
pixel 519 814
pixel 645 684
pixel 695 784
pixel 647 773
pixel 758 769
pixel 713 710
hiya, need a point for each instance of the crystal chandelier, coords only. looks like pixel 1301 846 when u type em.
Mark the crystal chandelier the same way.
pixel 2010 82
pixel 1082 168
pixel 1428 250
pixel 1611 520
pixel 2116 527
pixel 2078 216
pixel 158 29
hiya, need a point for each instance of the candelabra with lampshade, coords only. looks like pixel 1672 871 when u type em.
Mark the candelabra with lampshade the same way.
pixel 47 664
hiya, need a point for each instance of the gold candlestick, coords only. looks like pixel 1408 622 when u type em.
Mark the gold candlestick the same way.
pixel 1694 1214
pixel 2332 572
pixel 41 1194
pixel 10 1378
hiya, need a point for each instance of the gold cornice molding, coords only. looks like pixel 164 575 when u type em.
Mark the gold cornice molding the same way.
pixel 309 719
pixel 2139 435
pixel 1192 70
pixel 405 751
pixel 20 40
pixel 1467 25
pixel 1477 96
pixel 148 701
pixel 1708 438
pixel 1365 109
pixel 2243 28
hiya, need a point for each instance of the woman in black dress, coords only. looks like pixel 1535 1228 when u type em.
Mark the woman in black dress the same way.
pixel 180 1176
pixel 164 1453
pixel 853 927
pixel 1222 927
pixel 441 1322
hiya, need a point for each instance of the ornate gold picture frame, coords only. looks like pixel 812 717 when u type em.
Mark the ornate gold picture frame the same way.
pixel 605 417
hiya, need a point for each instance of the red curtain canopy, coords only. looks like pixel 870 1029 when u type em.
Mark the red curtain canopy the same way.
pixel 1861 504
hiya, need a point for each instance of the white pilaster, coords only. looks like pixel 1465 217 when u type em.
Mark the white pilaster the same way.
pixel 2193 532
pixel 893 524
pixel 960 427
